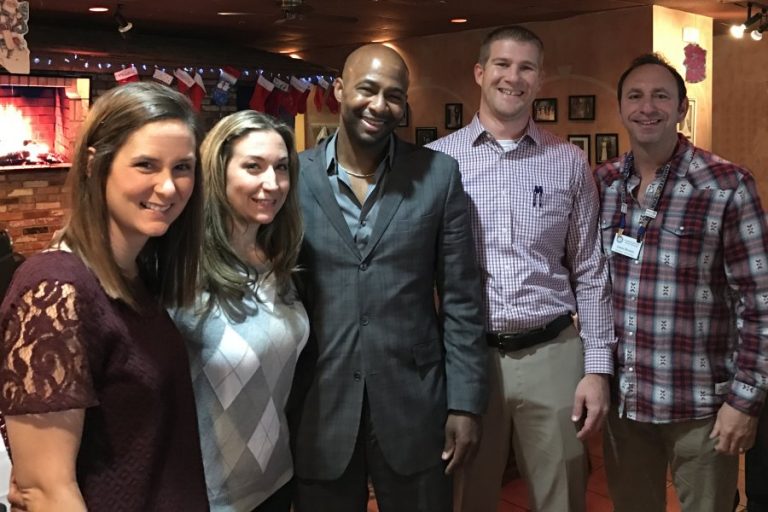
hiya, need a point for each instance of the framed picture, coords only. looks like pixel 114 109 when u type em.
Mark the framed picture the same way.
pixel 453 116
pixel 545 110
pixel 405 120
pixel 582 141
pixel 606 146
pixel 581 108
pixel 688 125
pixel 425 135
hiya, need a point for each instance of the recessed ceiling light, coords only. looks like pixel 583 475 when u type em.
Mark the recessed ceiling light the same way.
pixel 458 20
pixel 98 8
pixel 295 56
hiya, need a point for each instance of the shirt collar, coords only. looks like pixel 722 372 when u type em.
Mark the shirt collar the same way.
pixel 478 134
pixel 330 153
pixel 677 160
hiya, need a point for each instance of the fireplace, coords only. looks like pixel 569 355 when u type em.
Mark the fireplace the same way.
pixel 39 121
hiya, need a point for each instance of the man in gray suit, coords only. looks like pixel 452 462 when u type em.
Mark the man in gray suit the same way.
pixel 398 382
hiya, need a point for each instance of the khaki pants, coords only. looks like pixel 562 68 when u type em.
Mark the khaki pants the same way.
pixel 530 403
pixel 637 456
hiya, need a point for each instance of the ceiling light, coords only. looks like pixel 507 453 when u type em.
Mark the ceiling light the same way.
pixel 737 31
pixel 458 20
pixel 756 35
pixel 97 8
pixel 295 56
pixel 123 26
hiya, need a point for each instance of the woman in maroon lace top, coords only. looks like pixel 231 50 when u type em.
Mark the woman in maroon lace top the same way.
pixel 94 380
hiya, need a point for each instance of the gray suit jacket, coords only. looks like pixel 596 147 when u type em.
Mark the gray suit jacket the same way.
pixel 373 318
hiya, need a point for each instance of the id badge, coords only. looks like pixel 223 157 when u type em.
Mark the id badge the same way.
pixel 626 246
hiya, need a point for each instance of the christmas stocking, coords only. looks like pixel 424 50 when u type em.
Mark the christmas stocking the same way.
pixel 277 98
pixel 185 82
pixel 162 77
pixel 227 79
pixel 260 94
pixel 127 75
pixel 196 93
pixel 299 94
pixel 330 101
pixel 320 90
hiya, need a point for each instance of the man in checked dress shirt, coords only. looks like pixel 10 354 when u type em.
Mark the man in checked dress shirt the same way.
pixel 534 211
pixel 687 244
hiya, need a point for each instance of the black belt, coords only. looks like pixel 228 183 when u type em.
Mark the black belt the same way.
pixel 511 341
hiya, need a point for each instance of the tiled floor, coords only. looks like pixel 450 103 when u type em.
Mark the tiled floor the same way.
pixel 514 495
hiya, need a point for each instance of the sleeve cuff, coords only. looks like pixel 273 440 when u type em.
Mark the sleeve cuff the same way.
pixel 746 398
pixel 598 360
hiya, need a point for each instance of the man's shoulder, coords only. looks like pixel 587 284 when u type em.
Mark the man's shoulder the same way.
pixel 608 171
pixel 708 169
pixel 452 143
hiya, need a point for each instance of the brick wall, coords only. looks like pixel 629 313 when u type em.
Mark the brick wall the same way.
pixel 31 206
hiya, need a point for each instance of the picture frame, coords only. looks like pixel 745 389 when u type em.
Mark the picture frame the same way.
pixel 406 119
pixel 581 108
pixel 425 135
pixel 453 116
pixel 544 110
pixel 688 125
pixel 606 147
pixel 582 142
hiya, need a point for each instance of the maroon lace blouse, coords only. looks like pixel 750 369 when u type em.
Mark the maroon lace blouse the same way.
pixel 67 345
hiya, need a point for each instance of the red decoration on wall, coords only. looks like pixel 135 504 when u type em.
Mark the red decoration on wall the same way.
pixel 695 63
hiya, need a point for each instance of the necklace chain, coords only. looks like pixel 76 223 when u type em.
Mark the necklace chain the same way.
pixel 356 175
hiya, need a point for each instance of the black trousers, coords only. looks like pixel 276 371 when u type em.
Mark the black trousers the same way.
pixel 756 468
pixel 280 501
pixel 426 491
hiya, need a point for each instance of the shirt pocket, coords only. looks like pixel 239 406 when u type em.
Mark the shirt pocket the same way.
pixel 682 240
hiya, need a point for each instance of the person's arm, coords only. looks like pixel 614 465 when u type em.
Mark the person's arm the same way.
pixel 591 286
pixel 745 257
pixel 466 353
pixel 44 449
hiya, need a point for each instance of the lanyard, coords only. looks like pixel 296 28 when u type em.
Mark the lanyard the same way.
pixel 650 213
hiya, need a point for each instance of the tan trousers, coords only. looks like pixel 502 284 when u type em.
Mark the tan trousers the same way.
pixel 530 403
pixel 637 456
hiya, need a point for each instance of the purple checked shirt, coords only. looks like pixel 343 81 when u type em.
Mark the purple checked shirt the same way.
pixel 534 212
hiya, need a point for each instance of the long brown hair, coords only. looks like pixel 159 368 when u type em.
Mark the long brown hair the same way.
pixel 168 263
pixel 224 275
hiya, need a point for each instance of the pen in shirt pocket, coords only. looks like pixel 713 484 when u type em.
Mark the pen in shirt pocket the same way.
pixel 538 192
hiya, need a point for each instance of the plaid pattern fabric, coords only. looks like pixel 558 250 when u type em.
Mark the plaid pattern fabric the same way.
pixel 534 211
pixel 692 310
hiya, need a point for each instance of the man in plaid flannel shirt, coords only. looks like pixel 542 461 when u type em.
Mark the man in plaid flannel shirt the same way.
pixel 687 244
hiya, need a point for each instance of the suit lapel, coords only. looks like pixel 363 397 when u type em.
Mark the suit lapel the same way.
pixel 316 179
pixel 391 197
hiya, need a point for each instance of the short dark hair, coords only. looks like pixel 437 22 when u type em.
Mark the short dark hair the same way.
pixel 513 32
pixel 656 60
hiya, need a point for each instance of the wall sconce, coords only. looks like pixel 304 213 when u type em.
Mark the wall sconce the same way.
pixel 691 35
pixel 737 31
pixel 123 26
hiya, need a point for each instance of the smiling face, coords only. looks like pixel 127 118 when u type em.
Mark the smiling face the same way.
pixel 372 94
pixel 150 181
pixel 258 178
pixel 650 107
pixel 509 80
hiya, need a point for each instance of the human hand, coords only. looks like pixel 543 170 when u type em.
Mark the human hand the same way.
pixel 591 393
pixel 462 437
pixel 734 430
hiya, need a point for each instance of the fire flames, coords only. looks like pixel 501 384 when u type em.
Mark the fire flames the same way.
pixel 16 144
